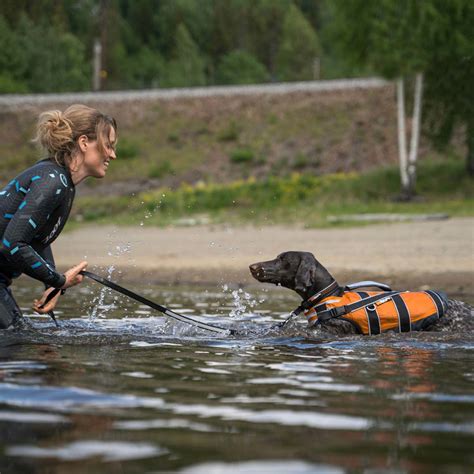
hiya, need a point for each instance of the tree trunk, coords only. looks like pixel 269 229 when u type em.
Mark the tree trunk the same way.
pixel 402 146
pixel 415 134
pixel 470 147
pixel 408 159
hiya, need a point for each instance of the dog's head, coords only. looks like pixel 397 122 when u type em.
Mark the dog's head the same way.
pixel 294 270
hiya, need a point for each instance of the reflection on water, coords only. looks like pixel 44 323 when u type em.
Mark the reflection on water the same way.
pixel 129 390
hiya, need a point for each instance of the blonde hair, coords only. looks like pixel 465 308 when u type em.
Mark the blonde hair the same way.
pixel 58 132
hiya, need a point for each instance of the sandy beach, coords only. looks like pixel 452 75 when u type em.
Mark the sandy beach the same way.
pixel 414 254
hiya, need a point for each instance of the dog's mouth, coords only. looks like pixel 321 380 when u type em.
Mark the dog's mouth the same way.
pixel 259 272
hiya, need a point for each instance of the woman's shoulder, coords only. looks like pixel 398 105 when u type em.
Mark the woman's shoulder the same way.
pixel 45 168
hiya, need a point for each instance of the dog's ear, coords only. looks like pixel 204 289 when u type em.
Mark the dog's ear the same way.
pixel 305 274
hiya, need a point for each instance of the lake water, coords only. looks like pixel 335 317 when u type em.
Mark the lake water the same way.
pixel 119 388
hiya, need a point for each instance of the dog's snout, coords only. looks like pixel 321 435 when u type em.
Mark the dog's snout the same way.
pixel 257 271
pixel 254 268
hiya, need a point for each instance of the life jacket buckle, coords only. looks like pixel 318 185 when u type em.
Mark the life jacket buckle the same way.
pixel 382 301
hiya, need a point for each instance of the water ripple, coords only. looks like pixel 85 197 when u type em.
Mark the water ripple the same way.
pixel 106 450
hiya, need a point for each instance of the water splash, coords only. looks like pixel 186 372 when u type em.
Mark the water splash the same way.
pixel 242 302
pixel 98 301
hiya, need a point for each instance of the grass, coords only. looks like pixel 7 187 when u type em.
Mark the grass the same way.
pixel 443 186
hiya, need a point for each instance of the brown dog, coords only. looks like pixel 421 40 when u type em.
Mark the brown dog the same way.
pixel 301 272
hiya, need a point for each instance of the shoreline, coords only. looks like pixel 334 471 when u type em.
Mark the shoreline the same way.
pixel 431 254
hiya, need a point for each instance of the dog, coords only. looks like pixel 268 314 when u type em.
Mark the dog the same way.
pixel 304 274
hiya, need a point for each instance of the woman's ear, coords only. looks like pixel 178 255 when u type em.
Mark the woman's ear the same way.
pixel 83 143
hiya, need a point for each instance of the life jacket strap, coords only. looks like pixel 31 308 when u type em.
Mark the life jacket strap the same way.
pixel 339 311
pixel 373 317
pixel 313 300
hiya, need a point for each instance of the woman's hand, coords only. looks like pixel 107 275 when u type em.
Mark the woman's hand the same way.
pixel 38 304
pixel 73 277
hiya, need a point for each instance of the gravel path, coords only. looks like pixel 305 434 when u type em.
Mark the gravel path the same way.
pixel 16 101
pixel 434 252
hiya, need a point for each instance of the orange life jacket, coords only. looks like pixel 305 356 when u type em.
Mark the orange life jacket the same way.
pixel 374 312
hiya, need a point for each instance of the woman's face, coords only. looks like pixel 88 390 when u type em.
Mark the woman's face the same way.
pixel 96 161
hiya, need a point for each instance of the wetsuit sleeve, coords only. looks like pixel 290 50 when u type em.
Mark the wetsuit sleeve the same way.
pixel 40 201
pixel 47 255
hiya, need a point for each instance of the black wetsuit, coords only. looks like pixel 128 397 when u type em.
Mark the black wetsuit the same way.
pixel 34 208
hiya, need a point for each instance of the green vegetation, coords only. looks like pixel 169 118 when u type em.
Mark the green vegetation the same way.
pixel 240 67
pixel 47 46
pixel 443 187
pixel 299 47
pixel 401 38
pixel 242 155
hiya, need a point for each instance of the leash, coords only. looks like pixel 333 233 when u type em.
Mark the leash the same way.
pixel 308 303
pixel 147 302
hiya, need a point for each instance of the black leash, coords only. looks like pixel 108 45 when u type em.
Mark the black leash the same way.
pixel 306 304
pixel 147 302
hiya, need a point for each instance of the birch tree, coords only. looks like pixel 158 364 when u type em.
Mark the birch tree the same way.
pixel 393 37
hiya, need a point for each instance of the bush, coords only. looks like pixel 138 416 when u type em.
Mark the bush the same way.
pixel 240 67
pixel 160 169
pixel 229 133
pixel 242 155
pixel 127 149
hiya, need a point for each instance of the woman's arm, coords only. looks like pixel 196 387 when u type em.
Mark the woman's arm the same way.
pixel 39 202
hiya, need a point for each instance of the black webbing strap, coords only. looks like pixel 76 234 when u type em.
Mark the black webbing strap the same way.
pixel 372 315
pixel 339 311
pixel 437 301
pixel 312 300
pixel 403 314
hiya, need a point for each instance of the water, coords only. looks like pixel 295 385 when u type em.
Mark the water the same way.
pixel 130 391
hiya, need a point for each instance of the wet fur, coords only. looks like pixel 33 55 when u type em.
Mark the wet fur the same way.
pixel 302 273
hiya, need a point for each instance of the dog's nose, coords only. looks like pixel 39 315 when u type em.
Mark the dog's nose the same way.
pixel 254 268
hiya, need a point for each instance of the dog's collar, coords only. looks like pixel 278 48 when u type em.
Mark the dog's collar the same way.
pixel 313 300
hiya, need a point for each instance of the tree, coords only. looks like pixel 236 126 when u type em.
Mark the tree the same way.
pixel 194 15
pixel 12 65
pixel 240 67
pixel 298 49
pixel 265 24
pixel 186 69
pixel 391 37
pixel 449 77
pixel 55 60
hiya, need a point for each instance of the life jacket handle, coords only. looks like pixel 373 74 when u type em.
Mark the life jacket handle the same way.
pixel 365 283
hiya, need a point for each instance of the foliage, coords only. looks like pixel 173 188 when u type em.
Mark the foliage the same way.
pixel 187 66
pixel 448 79
pixel 127 148
pixel 230 133
pixel 36 57
pixel 240 67
pixel 299 47
pixel 242 155
pixel 161 169
pixel 335 193
pixel 402 37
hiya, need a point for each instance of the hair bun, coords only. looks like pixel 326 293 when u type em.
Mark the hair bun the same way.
pixel 54 131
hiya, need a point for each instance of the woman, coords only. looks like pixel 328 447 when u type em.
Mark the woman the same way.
pixel 34 206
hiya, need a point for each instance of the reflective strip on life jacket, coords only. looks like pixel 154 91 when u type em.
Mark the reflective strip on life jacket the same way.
pixel 377 312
